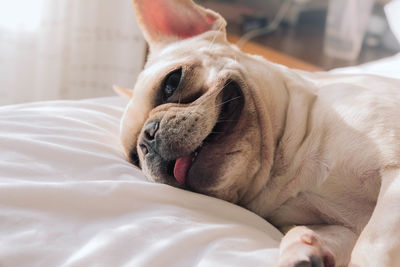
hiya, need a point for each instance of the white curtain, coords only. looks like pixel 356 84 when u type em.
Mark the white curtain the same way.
pixel 67 49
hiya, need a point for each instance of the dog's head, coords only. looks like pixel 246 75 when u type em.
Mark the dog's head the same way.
pixel 196 119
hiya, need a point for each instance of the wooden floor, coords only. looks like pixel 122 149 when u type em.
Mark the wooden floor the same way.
pixel 305 42
pixel 302 45
pixel 274 55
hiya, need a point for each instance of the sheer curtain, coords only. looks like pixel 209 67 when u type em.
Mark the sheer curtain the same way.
pixel 68 49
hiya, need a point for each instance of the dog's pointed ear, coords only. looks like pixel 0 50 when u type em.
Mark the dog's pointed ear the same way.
pixel 164 21
pixel 122 91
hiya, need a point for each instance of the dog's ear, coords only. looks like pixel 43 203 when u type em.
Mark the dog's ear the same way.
pixel 123 91
pixel 164 21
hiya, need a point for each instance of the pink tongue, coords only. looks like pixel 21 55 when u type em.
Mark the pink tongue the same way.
pixel 182 165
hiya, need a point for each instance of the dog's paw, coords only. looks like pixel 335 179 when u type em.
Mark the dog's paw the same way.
pixel 305 252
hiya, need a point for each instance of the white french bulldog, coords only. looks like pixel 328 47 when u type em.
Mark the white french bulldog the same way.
pixel 317 155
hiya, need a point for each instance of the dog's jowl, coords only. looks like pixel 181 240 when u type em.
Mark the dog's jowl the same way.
pixel 317 151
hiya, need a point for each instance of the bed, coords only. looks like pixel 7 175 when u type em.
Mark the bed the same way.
pixel 69 198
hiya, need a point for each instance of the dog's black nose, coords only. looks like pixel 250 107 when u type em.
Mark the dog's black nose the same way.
pixel 150 130
pixel 149 133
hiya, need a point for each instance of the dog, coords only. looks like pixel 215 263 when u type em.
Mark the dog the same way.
pixel 315 154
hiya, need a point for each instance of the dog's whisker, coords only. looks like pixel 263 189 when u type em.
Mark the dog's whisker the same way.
pixel 216 92
pixel 202 102
pixel 226 120
pixel 227 101
pixel 221 27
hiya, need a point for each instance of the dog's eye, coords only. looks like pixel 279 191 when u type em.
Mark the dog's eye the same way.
pixel 171 83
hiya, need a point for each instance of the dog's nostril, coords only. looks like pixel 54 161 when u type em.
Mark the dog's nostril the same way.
pixel 144 149
pixel 151 129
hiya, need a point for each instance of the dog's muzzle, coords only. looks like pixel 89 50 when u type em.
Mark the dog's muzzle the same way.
pixel 170 156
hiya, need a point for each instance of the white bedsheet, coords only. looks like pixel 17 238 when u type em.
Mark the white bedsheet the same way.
pixel 68 197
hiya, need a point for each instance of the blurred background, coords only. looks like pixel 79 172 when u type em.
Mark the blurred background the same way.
pixel 72 49
pixel 323 33
pixel 67 49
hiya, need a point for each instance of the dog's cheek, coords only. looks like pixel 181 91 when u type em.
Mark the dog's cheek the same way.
pixel 229 175
pixel 204 173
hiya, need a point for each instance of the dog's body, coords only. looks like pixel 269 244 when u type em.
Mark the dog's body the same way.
pixel 318 151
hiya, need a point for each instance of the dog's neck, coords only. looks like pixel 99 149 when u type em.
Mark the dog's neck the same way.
pixel 288 101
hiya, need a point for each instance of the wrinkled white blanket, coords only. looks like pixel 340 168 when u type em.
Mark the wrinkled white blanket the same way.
pixel 69 198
